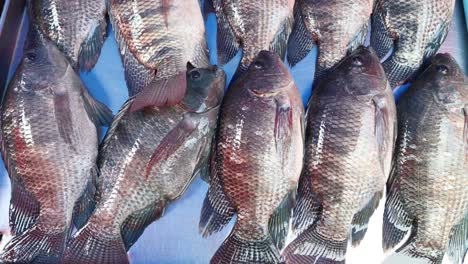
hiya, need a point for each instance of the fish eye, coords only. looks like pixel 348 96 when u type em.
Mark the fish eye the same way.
pixel 195 74
pixel 358 61
pixel 258 64
pixel 442 69
pixel 31 56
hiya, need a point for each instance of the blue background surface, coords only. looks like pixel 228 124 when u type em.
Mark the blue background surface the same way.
pixel 174 238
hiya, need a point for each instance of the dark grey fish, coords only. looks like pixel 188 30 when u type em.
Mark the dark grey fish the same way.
pixel 336 26
pixel 49 144
pixel 351 129
pixel 427 193
pixel 256 163
pixel 147 161
pixel 414 29
pixel 253 26
pixel 78 28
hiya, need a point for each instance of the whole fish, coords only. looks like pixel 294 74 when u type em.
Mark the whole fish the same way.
pixel 427 193
pixel 337 27
pixel 147 160
pixel 350 135
pixel 78 28
pixel 157 39
pixel 252 26
pixel 256 162
pixel 414 29
pixel 49 145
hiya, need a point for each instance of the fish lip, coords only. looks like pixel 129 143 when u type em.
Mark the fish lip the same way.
pixel 263 95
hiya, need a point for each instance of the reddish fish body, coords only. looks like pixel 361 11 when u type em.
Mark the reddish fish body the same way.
pixel 350 135
pixel 256 162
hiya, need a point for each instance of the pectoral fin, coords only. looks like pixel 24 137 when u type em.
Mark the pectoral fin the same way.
pixel 172 142
pixel 283 128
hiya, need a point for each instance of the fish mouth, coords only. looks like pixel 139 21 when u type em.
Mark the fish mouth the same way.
pixel 263 94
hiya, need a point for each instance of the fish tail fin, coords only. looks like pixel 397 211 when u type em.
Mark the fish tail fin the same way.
pixel 89 246
pixel 236 249
pixel 91 48
pixel 398 73
pixel 312 247
pixel 161 92
pixel 35 245
pixel 410 252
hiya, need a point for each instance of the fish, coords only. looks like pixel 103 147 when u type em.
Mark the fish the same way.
pixel 337 27
pixel 427 195
pixel 350 137
pixel 411 31
pixel 156 40
pixel 78 28
pixel 49 144
pixel 252 26
pixel 146 162
pixel 256 162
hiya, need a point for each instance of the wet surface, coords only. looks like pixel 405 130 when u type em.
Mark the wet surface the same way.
pixel 174 238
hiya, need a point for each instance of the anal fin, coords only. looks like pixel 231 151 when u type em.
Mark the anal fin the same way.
pixel 280 42
pixel 361 219
pixel 307 208
pixel 97 111
pixel 279 221
pixel 86 203
pixel 227 43
pixel 136 223
pixel 458 244
pixel 24 209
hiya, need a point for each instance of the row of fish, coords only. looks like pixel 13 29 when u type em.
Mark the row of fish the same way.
pixel 151 154
pixel 157 38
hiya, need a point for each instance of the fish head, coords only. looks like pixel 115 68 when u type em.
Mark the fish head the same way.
pixel 205 88
pixel 42 62
pixel 450 82
pixel 360 73
pixel 267 76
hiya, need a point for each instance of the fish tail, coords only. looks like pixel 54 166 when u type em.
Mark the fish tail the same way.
pixel 161 92
pixel 236 249
pixel 312 247
pixel 35 245
pixel 412 253
pixel 91 246
pixel 398 73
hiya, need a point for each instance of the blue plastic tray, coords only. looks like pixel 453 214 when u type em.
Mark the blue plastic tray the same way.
pixel 174 238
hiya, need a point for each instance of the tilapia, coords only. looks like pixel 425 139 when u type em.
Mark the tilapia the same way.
pixel 49 143
pixel 413 30
pixel 157 39
pixel 350 136
pixel 337 27
pixel 252 26
pixel 427 193
pixel 147 161
pixel 256 163
pixel 78 28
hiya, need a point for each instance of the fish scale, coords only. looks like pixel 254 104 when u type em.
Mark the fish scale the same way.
pixel 415 30
pixel 78 28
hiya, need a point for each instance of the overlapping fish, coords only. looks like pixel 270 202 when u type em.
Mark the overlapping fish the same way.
pixel 147 160
pixel 78 28
pixel 256 163
pixel 49 143
pixel 337 27
pixel 428 189
pixel 252 26
pixel 414 29
pixel 351 129
pixel 157 39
